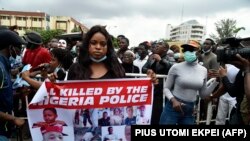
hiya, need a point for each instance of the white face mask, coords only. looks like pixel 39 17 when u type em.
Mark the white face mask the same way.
pixel 177 55
pixel 62 43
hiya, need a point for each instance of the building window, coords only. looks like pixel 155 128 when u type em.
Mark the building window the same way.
pixel 21 18
pixel 5 17
pixel 61 25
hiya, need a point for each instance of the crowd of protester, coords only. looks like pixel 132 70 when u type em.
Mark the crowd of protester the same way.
pixel 188 69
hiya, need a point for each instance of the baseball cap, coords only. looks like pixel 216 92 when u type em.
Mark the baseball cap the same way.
pixel 46 129
pixel 142 107
pixel 191 43
pixel 8 37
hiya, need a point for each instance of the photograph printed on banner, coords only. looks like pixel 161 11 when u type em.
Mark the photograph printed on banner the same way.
pixel 143 114
pixel 47 123
pixel 127 133
pixel 117 116
pixel 88 134
pixel 85 118
pixel 113 133
pixel 104 117
pixel 130 115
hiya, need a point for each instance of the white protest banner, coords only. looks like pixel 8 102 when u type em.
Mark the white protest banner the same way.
pixel 90 110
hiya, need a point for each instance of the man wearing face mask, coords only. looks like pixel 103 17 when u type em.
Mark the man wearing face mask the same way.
pixel 208 57
pixel 15 60
pixel 35 54
pixel 184 81
pixel 8 39
pixel 209 60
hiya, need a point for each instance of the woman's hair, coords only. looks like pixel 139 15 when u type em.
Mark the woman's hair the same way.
pixel 63 56
pixel 81 69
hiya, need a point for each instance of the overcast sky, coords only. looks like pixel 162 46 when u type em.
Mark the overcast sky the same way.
pixel 141 20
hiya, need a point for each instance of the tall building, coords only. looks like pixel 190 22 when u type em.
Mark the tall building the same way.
pixel 38 20
pixel 168 29
pixel 190 30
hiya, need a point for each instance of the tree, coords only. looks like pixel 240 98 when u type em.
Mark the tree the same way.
pixel 226 28
pixel 47 35
pixel 76 29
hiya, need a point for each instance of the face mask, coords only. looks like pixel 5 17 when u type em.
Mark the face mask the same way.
pixel 176 55
pixel 18 58
pixel 98 60
pixel 190 56
pixel 206 50
pixel 57 69
pixel 12 60
pixel 137 56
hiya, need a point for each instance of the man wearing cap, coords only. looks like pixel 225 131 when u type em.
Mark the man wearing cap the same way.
pixel 142 119
pixel 52 133
pixel 8 39
pixel 35 54
pixel 185 81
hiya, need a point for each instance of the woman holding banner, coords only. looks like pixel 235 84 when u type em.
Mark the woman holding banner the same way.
pixel 97 58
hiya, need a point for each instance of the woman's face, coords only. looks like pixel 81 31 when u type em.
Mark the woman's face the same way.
pixel 53 63
pixel 98 46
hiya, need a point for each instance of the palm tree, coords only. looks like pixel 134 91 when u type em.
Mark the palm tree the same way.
pixel 226 28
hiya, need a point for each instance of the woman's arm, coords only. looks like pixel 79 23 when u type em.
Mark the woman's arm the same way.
pixel 34 83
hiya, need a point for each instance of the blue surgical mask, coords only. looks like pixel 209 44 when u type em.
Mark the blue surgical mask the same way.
pixel 98 60
pixel 190 56
pixel 57 69
pixel 12 61
pixel 137 56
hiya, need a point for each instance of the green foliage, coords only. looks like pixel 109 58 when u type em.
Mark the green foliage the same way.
pixel 47 35
pixel 76 29
pixel 226 28
pixel 115 43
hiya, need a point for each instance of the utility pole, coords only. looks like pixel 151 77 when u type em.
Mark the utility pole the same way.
pixel 182 12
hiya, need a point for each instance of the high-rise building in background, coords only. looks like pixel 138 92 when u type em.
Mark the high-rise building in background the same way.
pixel 38 20
pixel 190 30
